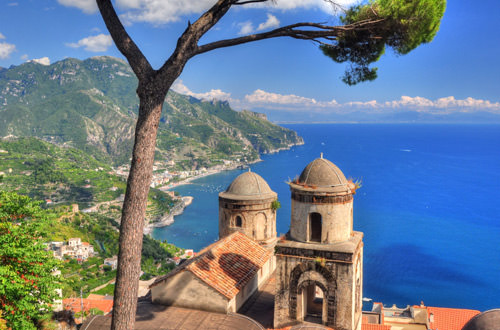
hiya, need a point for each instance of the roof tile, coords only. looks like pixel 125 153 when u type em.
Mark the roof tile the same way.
pixel 449 318
pixel 226 265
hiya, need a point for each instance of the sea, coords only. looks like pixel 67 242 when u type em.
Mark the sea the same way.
pixel 429 207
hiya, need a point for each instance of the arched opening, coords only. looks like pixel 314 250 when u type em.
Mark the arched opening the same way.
pixel 315 227
pixel 311 304
pixel 238 221
pixel 260 226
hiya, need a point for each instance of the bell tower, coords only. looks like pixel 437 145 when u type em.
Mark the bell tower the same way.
pixel 247 206
pixel 319 271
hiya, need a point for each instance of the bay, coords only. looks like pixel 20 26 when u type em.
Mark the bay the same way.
pixel 429 206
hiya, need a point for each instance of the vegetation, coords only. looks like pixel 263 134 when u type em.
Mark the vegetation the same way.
pixel 27 283
pixel 404 26
pixel 276 205
pixel 91 105
pixel 155 84
pixel 65 176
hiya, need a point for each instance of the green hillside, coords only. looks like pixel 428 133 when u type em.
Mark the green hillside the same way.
pixel 92 105
pixel 64 175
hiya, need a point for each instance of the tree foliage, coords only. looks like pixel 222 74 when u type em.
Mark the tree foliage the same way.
pixel 402 25
pixel 27 286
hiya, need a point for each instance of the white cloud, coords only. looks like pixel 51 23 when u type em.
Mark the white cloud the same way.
pixel 6 49
pixel 43 61
pixel 158 12
pixel 24 57
pixel 271 22
pixel 98 43
pixel 260 99
pixel 246 27
pixel 87 6
pixel 445 103
pixel 2 36
pixel 214 94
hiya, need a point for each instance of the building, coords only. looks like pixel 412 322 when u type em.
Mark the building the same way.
pixel 219 279
pixel 75 248
pixel 319 264
pixel 318 268
pixel 247 206
pixel 419 317
pixel 112 262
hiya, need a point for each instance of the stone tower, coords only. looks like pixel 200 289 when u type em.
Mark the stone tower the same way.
pixel 319 264
pixel 247 206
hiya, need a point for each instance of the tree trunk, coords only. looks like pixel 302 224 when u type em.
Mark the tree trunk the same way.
pixel 134 209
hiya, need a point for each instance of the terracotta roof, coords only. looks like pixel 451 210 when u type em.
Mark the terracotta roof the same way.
pixel 368 326
pixel 227 265
pixel 74 304
pixel 449 318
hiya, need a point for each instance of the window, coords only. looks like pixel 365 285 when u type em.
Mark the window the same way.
pixel 315 227
pixel 238 221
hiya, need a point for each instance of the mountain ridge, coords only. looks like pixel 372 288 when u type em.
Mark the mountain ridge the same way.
pixel 92 105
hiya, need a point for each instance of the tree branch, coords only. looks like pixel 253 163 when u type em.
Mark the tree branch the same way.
pixel 187 44
pixel 317 31
pixel 123 41
pixel 249 1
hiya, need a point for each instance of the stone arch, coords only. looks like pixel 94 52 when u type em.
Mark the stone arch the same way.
pixel 305 299
pixel 329 290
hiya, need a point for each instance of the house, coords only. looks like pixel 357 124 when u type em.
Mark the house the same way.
pixel 219 279
pixel 113 262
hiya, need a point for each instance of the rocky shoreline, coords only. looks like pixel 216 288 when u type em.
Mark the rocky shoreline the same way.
pixel 168 219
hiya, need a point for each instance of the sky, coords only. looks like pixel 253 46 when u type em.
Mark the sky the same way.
pixel 458 71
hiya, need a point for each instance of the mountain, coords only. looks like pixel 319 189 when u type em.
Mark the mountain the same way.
pixel 92 105
pixel 387 116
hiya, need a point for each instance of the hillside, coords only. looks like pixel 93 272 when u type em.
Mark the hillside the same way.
pixel 92 105
pixel 64 176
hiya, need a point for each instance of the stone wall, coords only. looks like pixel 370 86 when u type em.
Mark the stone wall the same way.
pixel 336 216
pixel 258 219
pixel 333 272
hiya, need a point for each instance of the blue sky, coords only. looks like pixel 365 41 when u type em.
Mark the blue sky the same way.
pixel 458 71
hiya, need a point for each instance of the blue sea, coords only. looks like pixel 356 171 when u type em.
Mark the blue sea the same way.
pixel 429 207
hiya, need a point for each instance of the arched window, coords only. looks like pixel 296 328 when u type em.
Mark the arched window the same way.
pixel 238 221
pixel 315 227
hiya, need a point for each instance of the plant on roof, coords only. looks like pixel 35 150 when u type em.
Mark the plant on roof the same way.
pixel 275 205
pixel 354 184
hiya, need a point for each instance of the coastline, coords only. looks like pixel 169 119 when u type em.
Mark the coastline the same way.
pixel 187 200
pixel 168 219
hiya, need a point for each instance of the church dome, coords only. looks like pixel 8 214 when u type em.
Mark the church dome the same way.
pixel 485 321
pixel 323 175
pixel 248 186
